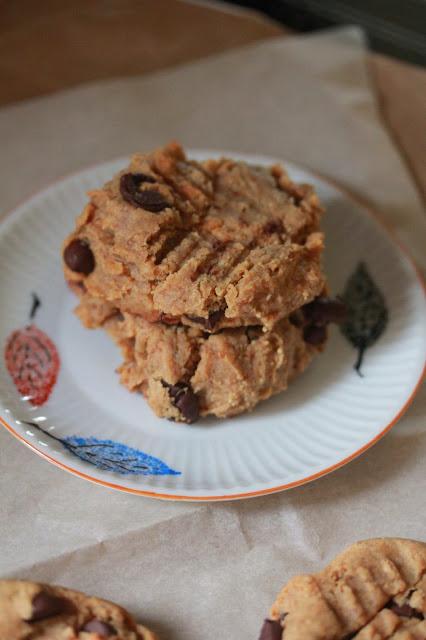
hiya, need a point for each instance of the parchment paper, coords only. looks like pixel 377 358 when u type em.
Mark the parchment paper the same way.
pixel 192 571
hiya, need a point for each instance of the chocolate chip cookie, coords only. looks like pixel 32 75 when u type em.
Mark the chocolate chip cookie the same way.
pixel 218 243
pixel 186 371
pixel 40 611
pixel 375 590
pixel 208 275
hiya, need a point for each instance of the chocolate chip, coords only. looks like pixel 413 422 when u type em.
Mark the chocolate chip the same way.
pixel 149 199
pixel 103 629
pixel 315 335
pixel 297 319
pixel 143 177
pixel 210 322
pixel 323 310
pixel 253 333
pixel 184 399
pixel 78 257
pixel 271 630
pixel 46 605
pixel 152 200
pixel 187 403
pixel 405 610
pixel 131 181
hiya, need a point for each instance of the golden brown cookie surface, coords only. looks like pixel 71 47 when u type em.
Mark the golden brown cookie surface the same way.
pixel 208 276
pixel 375 590
pixel 184 371
pixel 35 611
pixel 221 242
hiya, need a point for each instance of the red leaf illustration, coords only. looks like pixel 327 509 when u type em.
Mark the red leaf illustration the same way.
pixel 33 362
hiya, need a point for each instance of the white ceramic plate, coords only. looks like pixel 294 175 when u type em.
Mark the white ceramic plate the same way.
pixel 93 427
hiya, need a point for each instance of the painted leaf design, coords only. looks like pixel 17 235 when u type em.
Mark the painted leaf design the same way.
pixel 33 363
pixel 367 312
pixel 110 455
pixel 114 456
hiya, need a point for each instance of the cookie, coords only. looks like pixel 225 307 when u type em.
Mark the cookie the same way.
pixel 375 590
pixel 185 371
pixel 40 611
pixel 218 244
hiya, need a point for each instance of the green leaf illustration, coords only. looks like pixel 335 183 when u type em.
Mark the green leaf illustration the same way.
pixel 367 312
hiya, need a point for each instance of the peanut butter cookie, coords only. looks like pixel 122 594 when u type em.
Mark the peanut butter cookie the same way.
pixel 44 612
pixel 218 243
pixel 375 590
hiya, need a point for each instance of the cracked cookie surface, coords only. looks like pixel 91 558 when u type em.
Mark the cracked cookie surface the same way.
pixel 219 243
pixel 375 590
pixel 185 371
pixel 205 274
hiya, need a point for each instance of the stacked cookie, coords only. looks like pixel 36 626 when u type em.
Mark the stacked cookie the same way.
pixel 207 275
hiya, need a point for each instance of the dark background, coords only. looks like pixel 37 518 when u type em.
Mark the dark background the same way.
pixel 394 27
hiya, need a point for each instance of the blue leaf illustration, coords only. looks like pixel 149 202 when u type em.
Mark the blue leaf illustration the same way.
pixel 109 455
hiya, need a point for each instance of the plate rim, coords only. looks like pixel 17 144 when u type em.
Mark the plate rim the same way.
pixel 372 211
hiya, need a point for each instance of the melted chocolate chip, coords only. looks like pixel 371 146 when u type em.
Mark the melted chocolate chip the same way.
pixel 184 399
pixel 208 323
pixel 103 629
pixel 46 605
pixel 322 311
pixel 271 630
pixel 315 335
pixel 405 610
pixel 78 257
pixel 149 199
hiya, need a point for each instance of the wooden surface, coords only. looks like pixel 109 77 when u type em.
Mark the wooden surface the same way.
pixel 401 90
pixel 58 44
